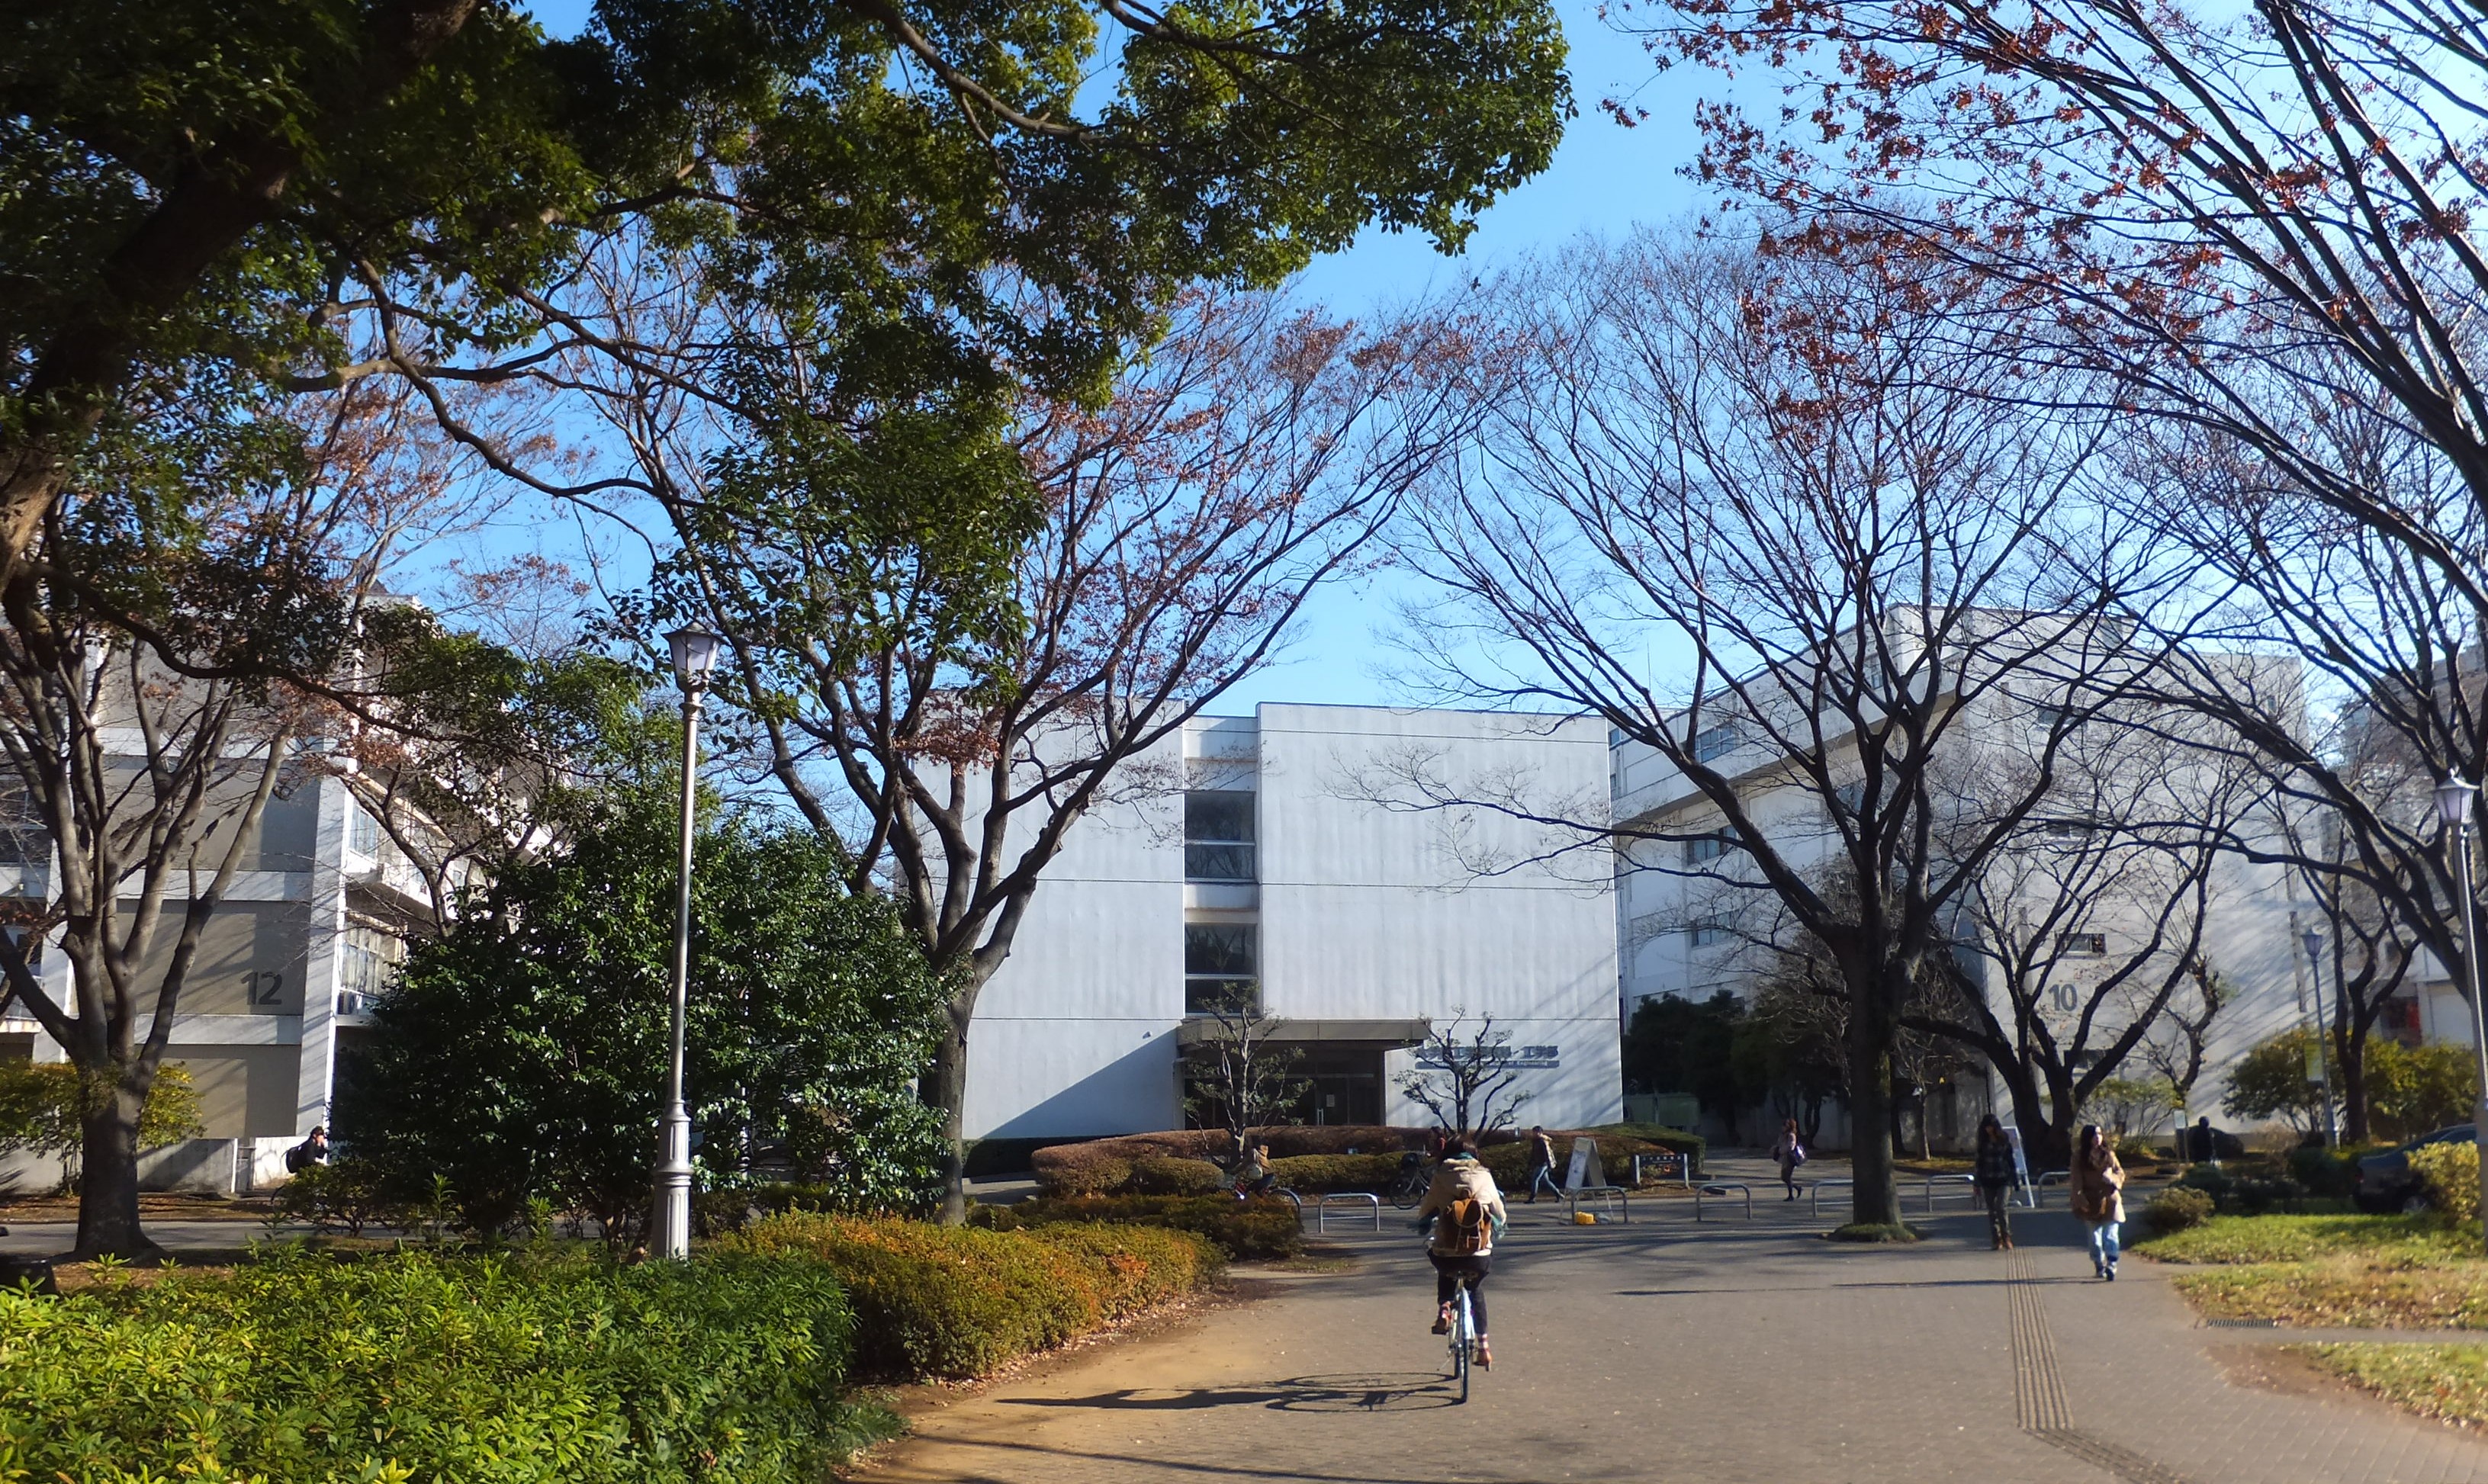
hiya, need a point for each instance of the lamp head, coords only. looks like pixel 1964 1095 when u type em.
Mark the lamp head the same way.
pixel 2454 802
pixel 695 656
pixel 2315 942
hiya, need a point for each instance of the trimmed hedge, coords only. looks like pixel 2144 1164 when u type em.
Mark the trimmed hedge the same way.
pixel 521 1370
pixel 1337 1171
pixel 2178 1208
pixel 958 1301
pixel 1111 1167
pixel 1264 1227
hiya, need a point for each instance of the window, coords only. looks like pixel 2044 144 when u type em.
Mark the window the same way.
pixel 362 831
pixel 1713 742
pixel 2082 945
pixel 1218 835
pixel 1221 965
pixel 363 968
pixel 1708 931
pixel 1853 795
pixel 23 839
pixel 1709 847
pixel 2055 717
pixel 2067 829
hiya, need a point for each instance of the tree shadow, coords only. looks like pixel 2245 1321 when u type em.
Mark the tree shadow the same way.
pixel 1377 1391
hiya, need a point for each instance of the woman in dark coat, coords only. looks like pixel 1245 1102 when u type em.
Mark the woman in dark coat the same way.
pixel 1992 1174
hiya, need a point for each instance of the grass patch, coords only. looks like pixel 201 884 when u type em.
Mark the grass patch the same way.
pixel 2393 1240
pixel 2449 1382
pixel 1875 1231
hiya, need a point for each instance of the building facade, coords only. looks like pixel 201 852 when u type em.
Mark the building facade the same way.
pixel 1313 858
pixel 304 935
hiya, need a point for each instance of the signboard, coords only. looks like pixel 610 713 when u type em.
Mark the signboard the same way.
pixel 1586 1174
pixel 1523 1057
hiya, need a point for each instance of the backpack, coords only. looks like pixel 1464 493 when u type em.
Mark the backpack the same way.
pixel 1464 1226
pixel 294 1159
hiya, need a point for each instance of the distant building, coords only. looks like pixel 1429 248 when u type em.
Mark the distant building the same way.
pixel 307 931
pixel 1298 854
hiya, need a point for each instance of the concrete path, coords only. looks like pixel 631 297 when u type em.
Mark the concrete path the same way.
pixel 1721 1352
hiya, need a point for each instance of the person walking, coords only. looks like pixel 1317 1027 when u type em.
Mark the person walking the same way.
pixel 1992 1171
pixel 2098 1187
pixel 1789 1152
pixel 1542 1165
pixel 1465 1210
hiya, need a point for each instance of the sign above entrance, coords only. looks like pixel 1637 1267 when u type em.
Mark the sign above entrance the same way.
pixel 1517 1058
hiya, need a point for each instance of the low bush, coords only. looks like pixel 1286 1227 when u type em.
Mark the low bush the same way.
pixel 1337 1171
pixel 2449 1173
pixel 1876 1231
pixel 344 1194
pixel 2244 1189
pixel 2176 1209
pixel 1262 1228
pixel 518 1370
pixel 1167 1175
pixel 958 1301
pixel 2330 1173
pixel 1106 1165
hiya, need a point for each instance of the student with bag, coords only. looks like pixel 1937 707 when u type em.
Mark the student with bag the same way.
pixel 1466 1212
pixel 1790 1151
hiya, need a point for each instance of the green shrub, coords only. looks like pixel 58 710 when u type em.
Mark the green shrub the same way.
pixel 2449 1173
pixel 344 1194
pixel 2244 1189
pixel 1337 1171
pixel 516 1370
pixel 2176 1209
pixel 958 1301
pixel 1264 1227
pixel 2330 1174
pixel 1163 1175
pixel 1105 1165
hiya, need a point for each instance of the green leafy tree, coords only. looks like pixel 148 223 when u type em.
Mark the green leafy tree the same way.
pixel 523 1054
pixel 2416 1090
pixel 44 1106
pixel 216 201
pixel 2271 1080
pixel 1674 1045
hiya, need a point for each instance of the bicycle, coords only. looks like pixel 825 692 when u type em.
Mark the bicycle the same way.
pixel 1463 1337
pixel 1408 1187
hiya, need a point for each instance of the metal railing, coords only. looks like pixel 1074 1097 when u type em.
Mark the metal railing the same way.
pixel 1606 1195
pixel 2046 1177
pixel 1813 1194
pixel 1933 1181
pixel 1722 1187
pixel 1322 1204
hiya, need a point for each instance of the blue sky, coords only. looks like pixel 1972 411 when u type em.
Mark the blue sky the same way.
pixel 1604 180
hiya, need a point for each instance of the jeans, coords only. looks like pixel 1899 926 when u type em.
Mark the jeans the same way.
pixel 1544 1175
pixel 1999 1222
pixel 1450 1272
pixel 2103 1237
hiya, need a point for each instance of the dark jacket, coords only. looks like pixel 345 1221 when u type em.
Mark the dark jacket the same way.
pixel 1994 1165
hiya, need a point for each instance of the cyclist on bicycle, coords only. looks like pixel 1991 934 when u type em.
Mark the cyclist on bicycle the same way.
pixel 1466 1211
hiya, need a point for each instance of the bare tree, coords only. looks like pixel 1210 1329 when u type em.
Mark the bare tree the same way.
pixel 1466 1084
pixel 1243 1077
pixel 949 702
pixel 1845 534
pixel 149 758
pixel 2260 229
pixel 2175 1047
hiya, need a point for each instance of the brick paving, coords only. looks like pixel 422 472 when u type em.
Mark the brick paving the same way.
pixel 1720 1352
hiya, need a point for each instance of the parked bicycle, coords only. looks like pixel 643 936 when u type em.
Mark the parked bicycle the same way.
pixel 1408 1185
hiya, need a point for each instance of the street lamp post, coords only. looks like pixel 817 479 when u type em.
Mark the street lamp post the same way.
pixel 695 653
pixel 2454 802
pixel 2315 942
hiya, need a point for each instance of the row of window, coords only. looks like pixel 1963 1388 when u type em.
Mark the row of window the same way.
pixel 1218 837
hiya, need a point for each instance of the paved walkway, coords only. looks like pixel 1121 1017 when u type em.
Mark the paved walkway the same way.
pixel 1721 1352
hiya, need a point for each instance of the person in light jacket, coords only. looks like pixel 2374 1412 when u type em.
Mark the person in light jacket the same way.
pixel 1461 1252
pixel 1992 1171
pixel 1542 1165
pixel 2098 1187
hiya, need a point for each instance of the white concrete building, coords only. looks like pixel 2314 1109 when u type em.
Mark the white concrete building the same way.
pixel 1681 931
pixel 1295 851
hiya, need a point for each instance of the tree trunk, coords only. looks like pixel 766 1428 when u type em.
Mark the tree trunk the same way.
pixel 1876 1195
pixel 2353 1086
pixel 108 1177
pixel 943 1087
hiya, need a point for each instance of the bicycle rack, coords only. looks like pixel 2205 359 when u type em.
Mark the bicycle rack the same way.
pixel 1814 1196
pixel 1322 1204
pixel 1615 1195
pixel 1934 1180
pixel 1722 1187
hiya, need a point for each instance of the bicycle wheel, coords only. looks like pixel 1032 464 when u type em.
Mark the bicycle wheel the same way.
pixel 1409 1191
pixel 1462 1340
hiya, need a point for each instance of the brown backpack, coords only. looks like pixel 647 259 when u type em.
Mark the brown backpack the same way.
pixel 1464 1226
